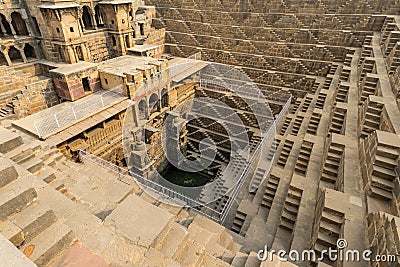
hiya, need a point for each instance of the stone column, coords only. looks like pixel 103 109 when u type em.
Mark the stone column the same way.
pixel 94 21
pixel 28 25
pixel 122 44
pixel 3 29
pixel 7 57
pixel 86 55
pixel 71 54
pixel 8 18
pixel 21 51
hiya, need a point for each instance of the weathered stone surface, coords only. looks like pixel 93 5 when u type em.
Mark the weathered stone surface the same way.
pixel 11 256
pixel 9 140
pixel 131 218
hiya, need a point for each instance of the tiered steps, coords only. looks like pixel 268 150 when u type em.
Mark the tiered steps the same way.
pixel 333 162
pixel 290 209
pixel 303 158
pixel 270 191
pixel 283 157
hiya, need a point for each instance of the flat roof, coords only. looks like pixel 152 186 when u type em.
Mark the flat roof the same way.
pixel 73 68
pixel 127 64
pixel 116 2
pixel 143 48
pixel 62 112
pixel 58 6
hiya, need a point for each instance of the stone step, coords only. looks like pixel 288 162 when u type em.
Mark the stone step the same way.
pixel 50 243
pixel 385 162
pixel 382 183
pixel 33 220
pixel 13 257
pixel 379 171
pixel 191 253
pixel 9 140
pixel 50 152
pixel 33 165
pixel 252 260
pixel 23 152
pixel 387 152
pixel 53 159
pixel 331 218
pixel 15 196
pixel 172 241
pixel 46 175
pixel 327 239
pixel 12 232
pixel 59 186
pixel 380 193
pixel 8 173
pixel 334 228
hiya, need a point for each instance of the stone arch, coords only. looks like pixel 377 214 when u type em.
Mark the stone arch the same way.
pixel 153 103
pixel 5 24
pixel 98 16
pixel 29 51
pixel 164 98
pixel 87 18
pixel 142 109
pixel 15 55
pixel 19 24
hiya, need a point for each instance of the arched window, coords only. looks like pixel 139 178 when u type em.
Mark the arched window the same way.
pixel 19 24
pixel 87 19
pixel 164 98
pixel 99 16
pixel 142 109
pixel 5 23
pixel 14 55
pixel 153 103
pixel 29 51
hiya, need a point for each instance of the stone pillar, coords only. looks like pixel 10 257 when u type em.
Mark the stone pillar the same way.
pixel 86 55
pixel 122 44
pixel 94 21
pixel 71 54
pixel 38 51
pixel 21 51
pixel 136 114
pixel 3 29
pixel 80 25
pixel 174 154
pixel 28 25
pixel 7 57
pixel 11 26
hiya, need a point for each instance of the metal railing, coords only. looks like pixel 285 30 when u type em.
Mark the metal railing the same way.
pixel 128 176
pixel 69 115
pixel 270 134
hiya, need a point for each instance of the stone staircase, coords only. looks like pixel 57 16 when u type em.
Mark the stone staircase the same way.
pixel 380 167
pixel 200 243
pixel 332 164
pixel 25 221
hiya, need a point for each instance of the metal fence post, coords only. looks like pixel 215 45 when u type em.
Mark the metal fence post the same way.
pixel 55 117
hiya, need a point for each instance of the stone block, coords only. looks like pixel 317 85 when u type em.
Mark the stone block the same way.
pixel 9 140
